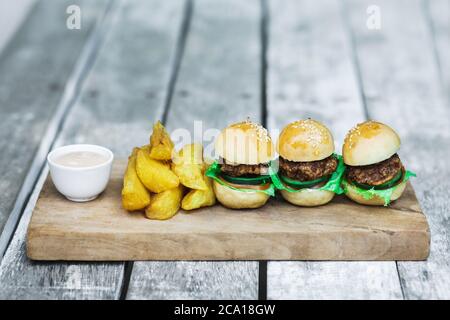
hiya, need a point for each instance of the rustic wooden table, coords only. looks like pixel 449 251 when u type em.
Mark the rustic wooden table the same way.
pixel 133 62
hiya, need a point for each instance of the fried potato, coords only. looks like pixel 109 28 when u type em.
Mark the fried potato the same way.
pixel 188 166
pixel 190 154
pixel 161 146
pixel 134 194
pixel 146 148
pixel 155 175
pixel 190 176
pixel 199 198
pixel 165 205
pixel 167 163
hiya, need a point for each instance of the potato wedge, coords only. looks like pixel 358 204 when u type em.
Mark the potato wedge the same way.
pixel 199 198
pixel 161 146
pixel 134 194
pixel 155 175
pixel 165 205
pixel 167 163
pixel 190 154
pixel 190 176
pixel 188 166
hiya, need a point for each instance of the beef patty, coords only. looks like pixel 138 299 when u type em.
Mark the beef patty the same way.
pixel 239 170
pixel 375 174
pixel 307 171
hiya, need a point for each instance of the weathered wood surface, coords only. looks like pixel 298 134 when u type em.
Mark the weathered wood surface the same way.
pixel 121 98
pixel 401 85
pixel 34 69
pixel 193 280
pixel 391 82
pixel 311 74
pixel 102 230
pixel 218 83
pixel 326 280
pixel 21 278
pixel 220 74
pixel 438 19
pixel 12 14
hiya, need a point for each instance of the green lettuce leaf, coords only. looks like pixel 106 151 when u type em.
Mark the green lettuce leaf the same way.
pixel 385 194
pixel 214 173
pixel 333 184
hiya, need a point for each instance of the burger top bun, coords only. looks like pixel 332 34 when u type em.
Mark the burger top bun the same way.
pixel 245 143
pixel 368 143
pixel 305 140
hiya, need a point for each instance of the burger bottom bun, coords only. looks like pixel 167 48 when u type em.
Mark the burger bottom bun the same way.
pixel 308 197
pixel 234 199
pixel 375 201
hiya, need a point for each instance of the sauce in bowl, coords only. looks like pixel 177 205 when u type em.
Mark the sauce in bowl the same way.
pixel 80 159
pixel 80 171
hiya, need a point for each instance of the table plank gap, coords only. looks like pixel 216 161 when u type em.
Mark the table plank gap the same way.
pixel 219 82
pixel 181 43
pixel 262 265
pixel 175 65
pixel 264 25
pixel 105 113
pixel 312 72
pixel 402 86
pixel 47 135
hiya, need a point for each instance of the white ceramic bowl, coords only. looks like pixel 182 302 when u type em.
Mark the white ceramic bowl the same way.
pixel 80 184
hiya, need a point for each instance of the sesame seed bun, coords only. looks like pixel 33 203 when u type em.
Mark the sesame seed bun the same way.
pixel 305 140
pixel 375 201
pixel 308 197
pixel 245 143
pixel 235 199
pixel 368 143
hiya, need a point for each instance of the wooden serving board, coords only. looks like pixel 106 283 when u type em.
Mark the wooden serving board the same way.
pixel 341 230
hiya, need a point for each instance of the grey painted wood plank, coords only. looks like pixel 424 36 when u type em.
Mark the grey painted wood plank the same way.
pixel 120 99
pixel 438 14
pixel 353 280
pixel 219 80
pixel 34 69
pixel 197 280
pixel 311 74
pixel 401 85
pixel 12 15
pixel 21 278
pixel 218 83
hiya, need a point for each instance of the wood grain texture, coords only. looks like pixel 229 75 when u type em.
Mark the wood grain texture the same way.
pixel 120 100
pixel 218 83
pixel 192 280
pixel 21 278
pixel 102 230
pixel 12 15
pixel 325 280
pixel 34 69
pixel 401 85
pixel 438 14
pixel 220 74
pixel 311 74
pixel 310 69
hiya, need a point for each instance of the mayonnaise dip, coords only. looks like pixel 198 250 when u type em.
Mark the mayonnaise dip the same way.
pixel 80 159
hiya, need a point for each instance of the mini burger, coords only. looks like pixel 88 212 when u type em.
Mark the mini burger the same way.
pixel 374 174
pixel 241 176
pixel 309 171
